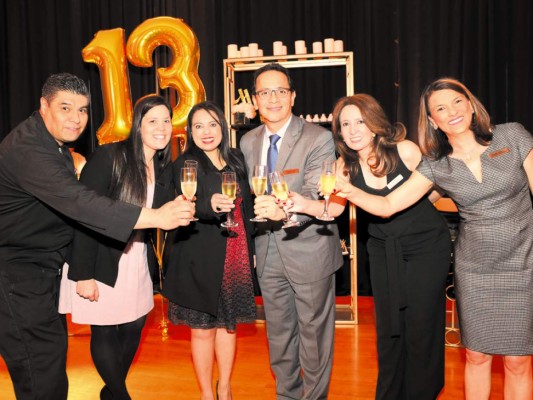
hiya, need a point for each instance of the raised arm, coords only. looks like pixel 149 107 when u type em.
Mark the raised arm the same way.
pixel 175 213
pixel 411 155
pixel 406 195
pixel 409 193
pixel 315 208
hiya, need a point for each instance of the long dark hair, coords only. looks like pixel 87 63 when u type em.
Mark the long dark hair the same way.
pixel 230 157
pixel 129 179
pixel 383 157
pixel 433 142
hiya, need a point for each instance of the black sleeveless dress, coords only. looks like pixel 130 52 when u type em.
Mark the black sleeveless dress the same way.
pixel 409 256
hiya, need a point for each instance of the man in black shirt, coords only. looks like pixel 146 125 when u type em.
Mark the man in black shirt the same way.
pixel 40 201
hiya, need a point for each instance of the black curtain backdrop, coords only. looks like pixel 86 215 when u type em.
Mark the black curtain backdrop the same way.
pixel 399 46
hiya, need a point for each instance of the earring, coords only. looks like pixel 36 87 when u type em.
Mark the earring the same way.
pixel 373 135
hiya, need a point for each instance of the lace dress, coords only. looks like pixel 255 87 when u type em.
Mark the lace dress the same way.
pixel 236 300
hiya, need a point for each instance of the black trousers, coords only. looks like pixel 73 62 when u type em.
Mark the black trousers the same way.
pixel 411 364
pixel 33 335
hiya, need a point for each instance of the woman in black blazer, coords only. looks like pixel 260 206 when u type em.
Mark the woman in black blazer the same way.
pixel 109 284
pixel 209 275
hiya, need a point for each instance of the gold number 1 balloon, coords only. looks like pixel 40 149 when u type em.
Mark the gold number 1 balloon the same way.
pixel 106 50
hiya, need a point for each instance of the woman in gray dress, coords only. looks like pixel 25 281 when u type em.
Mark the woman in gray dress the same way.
pixel 488 171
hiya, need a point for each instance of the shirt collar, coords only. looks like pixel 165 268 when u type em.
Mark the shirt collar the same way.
pixel 281 131
pixel 43 131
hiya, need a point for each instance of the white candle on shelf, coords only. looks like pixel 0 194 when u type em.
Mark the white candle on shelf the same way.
pixel 328 45
pixel 277 48
pixel 232 50
pixel 299 47
pixel 317 47
pixel 338 46
pixel 253 47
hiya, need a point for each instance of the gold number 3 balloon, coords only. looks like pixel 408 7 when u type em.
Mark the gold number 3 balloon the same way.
pixel 181 74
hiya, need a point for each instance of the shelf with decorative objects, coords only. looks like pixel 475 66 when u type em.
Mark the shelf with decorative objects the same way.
pixel 315 60
pixel 345 313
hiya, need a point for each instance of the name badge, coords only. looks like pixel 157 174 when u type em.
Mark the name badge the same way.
pixel 395 181
pixel 291 171
pixel 501 152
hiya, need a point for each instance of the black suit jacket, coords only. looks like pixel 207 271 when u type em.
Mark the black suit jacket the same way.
pixel 41 200
pixel 92 255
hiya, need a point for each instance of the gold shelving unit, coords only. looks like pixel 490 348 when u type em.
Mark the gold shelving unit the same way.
pixel 345 314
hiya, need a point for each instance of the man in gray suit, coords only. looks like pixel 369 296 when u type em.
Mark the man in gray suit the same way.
pixel 296 266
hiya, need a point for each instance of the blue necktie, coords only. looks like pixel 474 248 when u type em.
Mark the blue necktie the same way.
pixel 272 156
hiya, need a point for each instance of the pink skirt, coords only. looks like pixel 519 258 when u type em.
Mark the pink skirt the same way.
pixel 131 298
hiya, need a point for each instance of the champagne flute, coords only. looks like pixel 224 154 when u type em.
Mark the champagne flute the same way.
pixel 229 188
pixel 280 189
pixel 191 164
pixel 328 178
pixel 188 184
pixel 259 184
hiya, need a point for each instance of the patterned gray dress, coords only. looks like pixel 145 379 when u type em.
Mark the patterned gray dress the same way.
pixel 494 248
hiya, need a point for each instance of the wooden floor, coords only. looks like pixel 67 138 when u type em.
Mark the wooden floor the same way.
pixel 163 368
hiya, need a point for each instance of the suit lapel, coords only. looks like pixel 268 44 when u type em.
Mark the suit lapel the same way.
pixel 257 147
pixel 294 130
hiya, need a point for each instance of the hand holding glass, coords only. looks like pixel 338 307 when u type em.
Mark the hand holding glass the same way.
pixel 328 179
pixel 280 189
pixel 259 184
pixel 229 188
pixel 188 184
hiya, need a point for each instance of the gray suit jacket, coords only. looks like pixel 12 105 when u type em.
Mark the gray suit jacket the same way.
pixel 312 251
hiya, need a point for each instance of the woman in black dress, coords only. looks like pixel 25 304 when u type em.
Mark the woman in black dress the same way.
pixel 409 253
pixel 209 277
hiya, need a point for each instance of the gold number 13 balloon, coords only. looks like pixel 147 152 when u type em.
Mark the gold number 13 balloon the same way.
pixel 108 52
